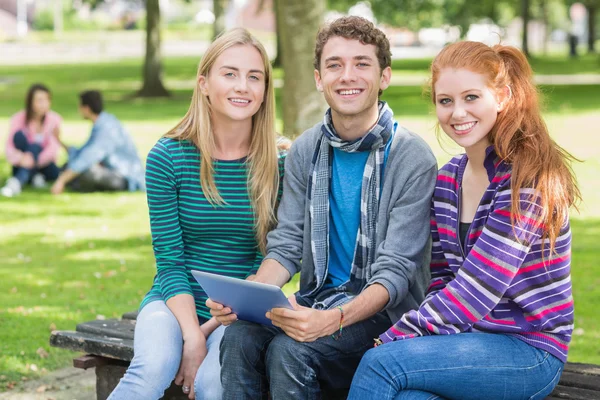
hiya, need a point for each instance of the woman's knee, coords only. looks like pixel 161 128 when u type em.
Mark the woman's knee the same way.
pixel 207 384
pixel 20 141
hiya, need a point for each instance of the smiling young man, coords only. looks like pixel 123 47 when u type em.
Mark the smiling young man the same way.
pixel 353 219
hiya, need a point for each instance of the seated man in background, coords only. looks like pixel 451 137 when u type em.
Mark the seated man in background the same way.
pixel 108 161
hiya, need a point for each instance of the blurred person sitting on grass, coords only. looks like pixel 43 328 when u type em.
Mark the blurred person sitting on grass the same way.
pixel 32 147
pixel 108 161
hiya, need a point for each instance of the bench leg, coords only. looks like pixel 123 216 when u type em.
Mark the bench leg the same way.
pixel 107 378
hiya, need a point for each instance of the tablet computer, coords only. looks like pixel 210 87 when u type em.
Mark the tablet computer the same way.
pixel 249 300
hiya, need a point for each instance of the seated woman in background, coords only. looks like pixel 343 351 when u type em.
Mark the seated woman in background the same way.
pixel 32 145
pixel 497 320
pixel 212 186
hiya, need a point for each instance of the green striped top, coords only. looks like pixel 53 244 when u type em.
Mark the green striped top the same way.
pixel 189 233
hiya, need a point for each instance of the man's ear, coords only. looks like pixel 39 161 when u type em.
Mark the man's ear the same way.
pixel 386 78
pixel 203 84
pixel 318 81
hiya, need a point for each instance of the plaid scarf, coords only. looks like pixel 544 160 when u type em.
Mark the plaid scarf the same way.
pixel 375 142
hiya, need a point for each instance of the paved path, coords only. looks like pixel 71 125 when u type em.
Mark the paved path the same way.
pixel 64 384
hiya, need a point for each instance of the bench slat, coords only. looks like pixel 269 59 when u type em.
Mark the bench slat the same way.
pixel 587 369
pixel 579 380
pixel 120 349
pixel 111 327
pixel 574 393
pixel 130 315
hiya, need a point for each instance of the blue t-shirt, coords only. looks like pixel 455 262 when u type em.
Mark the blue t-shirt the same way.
pixel 344 217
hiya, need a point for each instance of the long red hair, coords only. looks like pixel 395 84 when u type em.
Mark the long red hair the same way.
pixel 520 136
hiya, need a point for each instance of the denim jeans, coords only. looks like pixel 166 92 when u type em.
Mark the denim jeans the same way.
pixel 24 175
pixel 257 360
pixel 463 366
pixel 96 178
pixel 158 344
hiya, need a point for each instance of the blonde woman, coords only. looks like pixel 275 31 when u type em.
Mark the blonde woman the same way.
pixel 212 184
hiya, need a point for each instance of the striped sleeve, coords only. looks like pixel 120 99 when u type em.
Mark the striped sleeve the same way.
pixel 484 276
pixel 167 239
pixel 441 273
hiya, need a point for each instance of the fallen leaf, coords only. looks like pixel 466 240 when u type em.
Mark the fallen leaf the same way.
pixel 52 326
pixel 43 295
pixel 42 352
pixel 33 367
pixel 41 389
pixel 578 332
pixel 110 274
pixel 14 290
pixel 10 385
pixel 100 317
pixel 98 275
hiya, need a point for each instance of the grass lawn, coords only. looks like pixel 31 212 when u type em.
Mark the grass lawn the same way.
pixel 75 257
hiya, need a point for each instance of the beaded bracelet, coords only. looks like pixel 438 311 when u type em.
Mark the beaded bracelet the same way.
pixel 339 334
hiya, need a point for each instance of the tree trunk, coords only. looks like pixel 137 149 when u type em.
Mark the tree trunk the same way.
pixel 591 12
pixel 277 61
pixel 525 16
pixel 153 86
pixel 219 7
pixel 546 22
pixel 58 17
pixel 303 105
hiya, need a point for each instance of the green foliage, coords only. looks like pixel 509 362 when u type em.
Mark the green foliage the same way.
pixel 416 14
pixel 44 20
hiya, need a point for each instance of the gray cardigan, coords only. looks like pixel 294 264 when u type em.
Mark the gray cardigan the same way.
pixel 403 247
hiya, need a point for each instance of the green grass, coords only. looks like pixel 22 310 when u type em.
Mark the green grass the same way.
pixel 543 65
pixel 70 258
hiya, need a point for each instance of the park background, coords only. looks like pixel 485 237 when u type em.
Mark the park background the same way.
pixel 76 257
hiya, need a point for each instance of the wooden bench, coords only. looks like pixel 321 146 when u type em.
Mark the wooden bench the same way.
pixel 109 348
pixel 108 345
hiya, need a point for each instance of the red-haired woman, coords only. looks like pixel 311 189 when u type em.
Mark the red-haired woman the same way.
pixel 497 320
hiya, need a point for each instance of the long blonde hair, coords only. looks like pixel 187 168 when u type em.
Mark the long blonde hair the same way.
pixel 196 126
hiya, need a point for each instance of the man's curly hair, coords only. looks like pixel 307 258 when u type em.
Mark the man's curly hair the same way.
pixel 356 28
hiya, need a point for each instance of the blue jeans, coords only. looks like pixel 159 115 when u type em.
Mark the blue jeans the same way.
pixel 24 175
pixel 157 346
pixel 463 366
pixel 257 360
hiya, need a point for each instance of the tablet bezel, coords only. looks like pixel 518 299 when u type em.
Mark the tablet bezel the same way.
pixel 249 300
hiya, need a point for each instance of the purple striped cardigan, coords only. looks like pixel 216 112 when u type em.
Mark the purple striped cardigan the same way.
pixel 498 280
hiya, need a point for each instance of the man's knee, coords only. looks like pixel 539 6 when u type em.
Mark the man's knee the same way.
pixel 284 350
pixel 242 339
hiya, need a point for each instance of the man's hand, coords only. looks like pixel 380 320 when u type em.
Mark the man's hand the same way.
pixel 305 324
pixel 221 313
pixel 194 352
pixel 58 187
pixel 27 161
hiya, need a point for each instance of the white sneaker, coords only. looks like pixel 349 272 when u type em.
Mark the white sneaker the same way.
pixel 38 181
pixel 11 188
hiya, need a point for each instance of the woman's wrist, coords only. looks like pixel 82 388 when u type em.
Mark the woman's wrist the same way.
pixel 192 334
